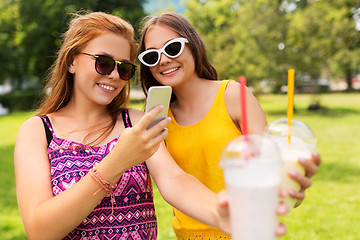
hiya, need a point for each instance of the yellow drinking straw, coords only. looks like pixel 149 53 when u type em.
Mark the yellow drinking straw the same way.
pixel 290 108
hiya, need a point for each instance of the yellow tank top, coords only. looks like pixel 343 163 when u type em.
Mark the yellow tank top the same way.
pixel 197 150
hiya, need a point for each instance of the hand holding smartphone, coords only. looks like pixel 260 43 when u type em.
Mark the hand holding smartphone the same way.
pixel 158 95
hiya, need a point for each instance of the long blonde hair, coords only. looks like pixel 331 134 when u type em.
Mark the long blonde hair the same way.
pixel 82 29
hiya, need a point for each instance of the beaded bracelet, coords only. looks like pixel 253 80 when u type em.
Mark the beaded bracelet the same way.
pixel 104 185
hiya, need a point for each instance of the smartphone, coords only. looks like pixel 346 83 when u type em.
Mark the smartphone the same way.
pixel 158 95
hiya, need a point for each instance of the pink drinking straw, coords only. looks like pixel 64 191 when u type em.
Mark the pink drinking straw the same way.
pixel 244 128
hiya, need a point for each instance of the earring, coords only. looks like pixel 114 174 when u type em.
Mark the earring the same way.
pixel 71 70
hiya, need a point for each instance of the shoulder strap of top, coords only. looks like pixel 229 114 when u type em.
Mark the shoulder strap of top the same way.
pixel 219 99
pixel 48 128
pixel 223 85
pixel 126 118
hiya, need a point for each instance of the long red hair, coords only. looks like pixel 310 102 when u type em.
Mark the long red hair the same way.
pixel 82 29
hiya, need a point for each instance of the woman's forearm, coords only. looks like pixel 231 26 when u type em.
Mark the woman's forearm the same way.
pixel 187 194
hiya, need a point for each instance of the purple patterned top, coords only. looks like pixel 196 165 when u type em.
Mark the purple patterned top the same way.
pixel 134 213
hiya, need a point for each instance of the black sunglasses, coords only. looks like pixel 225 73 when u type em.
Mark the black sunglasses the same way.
pixel 171 49
pixel 104 65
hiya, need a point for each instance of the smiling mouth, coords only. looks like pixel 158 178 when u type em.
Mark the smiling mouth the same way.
pixel 170 70
pixel 106 87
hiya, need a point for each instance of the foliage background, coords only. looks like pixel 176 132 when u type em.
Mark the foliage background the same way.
pixel 30 33
pixel 262 39
pixel 258 39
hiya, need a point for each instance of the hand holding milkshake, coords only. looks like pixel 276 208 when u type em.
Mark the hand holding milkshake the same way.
pixel 302 145
pixel 294 139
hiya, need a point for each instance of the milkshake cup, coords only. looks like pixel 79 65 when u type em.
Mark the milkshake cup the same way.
pixel 302 144
pixel 252 167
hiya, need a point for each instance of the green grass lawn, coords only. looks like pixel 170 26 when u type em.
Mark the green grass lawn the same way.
pixel 332 205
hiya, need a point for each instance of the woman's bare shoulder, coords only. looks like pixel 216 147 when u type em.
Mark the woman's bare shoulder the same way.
pixel 31 125
pixel 232 96
pixel 31 137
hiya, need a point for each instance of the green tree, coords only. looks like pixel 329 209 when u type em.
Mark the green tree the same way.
pixel 244 37
pixel 323 36
pixel 308 39
pixel 9 41
pixel 345 58
pixel 262 39
pixel 33 30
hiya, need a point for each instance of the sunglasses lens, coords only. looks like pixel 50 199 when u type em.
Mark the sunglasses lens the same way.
pixel 151 57
pixel 173 49
pixel 126 70
pixel 104 65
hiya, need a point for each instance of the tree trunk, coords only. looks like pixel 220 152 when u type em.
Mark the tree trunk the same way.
pixel 349 79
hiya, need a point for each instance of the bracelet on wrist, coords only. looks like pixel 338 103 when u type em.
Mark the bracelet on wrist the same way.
pixel 104 185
